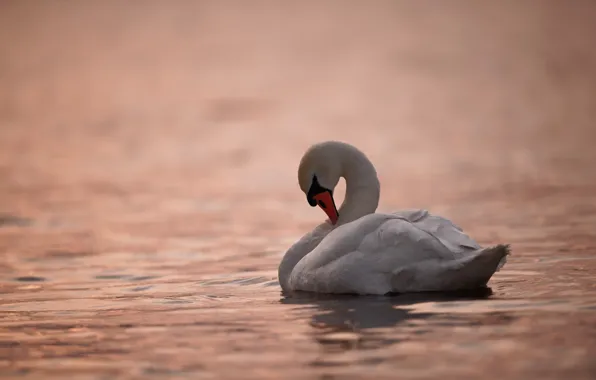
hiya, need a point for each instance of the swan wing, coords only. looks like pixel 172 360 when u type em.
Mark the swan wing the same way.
pixel 447 232
pixel 361 257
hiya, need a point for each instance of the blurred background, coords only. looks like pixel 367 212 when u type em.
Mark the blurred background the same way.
pixel 149 149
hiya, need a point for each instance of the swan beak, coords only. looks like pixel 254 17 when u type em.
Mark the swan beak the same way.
pixel 326 202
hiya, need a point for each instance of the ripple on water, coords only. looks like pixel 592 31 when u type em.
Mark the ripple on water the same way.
pixel 236 280
pixel 30 279
pixel 141 288
pixel 126 277
pixel 9 220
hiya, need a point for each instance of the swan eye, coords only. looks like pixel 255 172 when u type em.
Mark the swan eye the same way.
pixel 322 204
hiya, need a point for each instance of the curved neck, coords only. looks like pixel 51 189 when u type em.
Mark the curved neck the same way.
pixel 363 189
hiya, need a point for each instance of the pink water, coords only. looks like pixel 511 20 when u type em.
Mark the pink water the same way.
pixel 148 187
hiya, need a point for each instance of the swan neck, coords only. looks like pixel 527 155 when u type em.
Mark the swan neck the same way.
pixel 362 188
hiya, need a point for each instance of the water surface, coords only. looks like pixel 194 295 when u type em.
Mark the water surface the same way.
pixel 148 187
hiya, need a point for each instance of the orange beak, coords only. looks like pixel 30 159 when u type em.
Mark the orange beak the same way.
pixel 326 202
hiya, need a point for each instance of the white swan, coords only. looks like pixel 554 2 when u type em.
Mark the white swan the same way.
pixel 363 252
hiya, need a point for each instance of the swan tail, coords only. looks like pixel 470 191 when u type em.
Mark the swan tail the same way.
pixel 469 272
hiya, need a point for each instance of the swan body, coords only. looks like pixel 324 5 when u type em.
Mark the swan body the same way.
pixel 363 252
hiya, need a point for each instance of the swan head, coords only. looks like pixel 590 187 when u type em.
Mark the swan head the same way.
pixel 318 174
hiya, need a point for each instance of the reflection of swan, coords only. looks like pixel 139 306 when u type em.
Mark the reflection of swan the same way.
pixel 350 312
pixel 359 251
pixel 342 323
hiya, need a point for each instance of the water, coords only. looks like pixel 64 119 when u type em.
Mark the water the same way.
pixel 148 192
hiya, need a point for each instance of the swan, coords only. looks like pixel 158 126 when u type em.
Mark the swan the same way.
pixel 359 251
